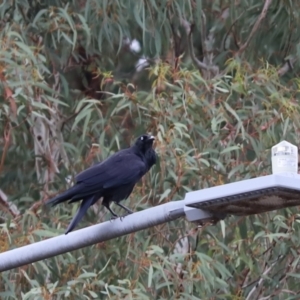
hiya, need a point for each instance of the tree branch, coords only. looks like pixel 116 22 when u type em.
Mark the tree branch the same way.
pixel 203 31
pixel 9 206
pixel 261 279
pixel 287 66
pixel 7 139
pixel 256 25
pixel 214 70
pixel 230 30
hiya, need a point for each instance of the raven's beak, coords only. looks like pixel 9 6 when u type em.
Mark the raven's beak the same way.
pixel 151 137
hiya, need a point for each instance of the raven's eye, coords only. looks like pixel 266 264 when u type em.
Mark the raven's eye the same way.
pixel 142 138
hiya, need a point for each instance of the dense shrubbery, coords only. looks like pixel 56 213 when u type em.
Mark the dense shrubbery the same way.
pixel 215 82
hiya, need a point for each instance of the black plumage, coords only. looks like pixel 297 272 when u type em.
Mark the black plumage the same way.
pixel 112 179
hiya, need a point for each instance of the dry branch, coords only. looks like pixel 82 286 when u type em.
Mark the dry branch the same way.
pixel 287 66
pixel 9 206
pixel 262 277
pixel 256 25
pixel 202 67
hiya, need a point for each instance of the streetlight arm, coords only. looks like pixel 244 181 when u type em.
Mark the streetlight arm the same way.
pixel 91 235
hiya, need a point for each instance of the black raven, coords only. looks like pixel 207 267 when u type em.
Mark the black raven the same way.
pixel 112 179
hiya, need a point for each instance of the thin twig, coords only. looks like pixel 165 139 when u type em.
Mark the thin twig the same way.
pixel 199 64
pixel 256 25
pixel 189 28
pixel 9 206
pixel 203 31
pixel 261 279
pixel 7 138
pixel 229 30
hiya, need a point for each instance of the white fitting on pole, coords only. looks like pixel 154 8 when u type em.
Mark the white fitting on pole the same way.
pixel 284 158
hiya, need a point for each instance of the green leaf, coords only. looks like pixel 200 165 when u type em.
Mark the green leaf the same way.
pixel 164 195
pixel 150 276
pixel 44 233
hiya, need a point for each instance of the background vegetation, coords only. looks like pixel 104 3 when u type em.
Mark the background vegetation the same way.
pixel 215 81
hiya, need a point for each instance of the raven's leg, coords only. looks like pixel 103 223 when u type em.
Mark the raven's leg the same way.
pixel 111 211
pixel 124 207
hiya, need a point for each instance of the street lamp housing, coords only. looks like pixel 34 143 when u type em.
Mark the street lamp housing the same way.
pixel 248 197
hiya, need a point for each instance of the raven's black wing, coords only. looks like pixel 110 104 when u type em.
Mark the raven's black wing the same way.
pixel 124 167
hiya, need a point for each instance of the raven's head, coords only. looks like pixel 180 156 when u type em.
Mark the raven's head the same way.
pixel 144 142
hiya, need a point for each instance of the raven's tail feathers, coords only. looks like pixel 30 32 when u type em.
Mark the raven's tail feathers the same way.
pixel 67 195
pixel 85 204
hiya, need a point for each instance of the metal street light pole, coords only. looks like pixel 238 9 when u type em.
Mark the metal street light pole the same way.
pixel 252 196
pixel 91 235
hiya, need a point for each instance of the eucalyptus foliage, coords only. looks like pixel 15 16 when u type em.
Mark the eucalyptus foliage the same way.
pixel 215 81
